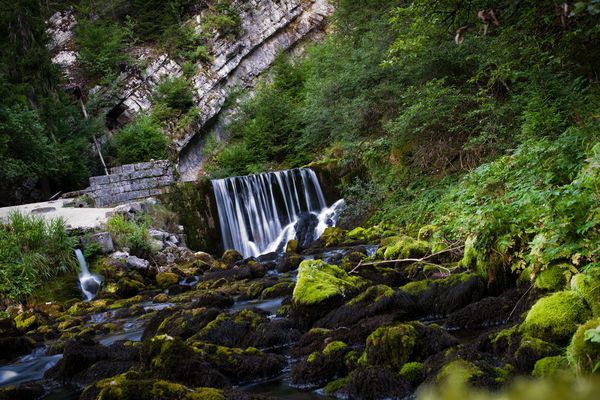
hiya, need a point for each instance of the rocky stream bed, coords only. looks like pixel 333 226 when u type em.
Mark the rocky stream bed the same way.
pixel 337 319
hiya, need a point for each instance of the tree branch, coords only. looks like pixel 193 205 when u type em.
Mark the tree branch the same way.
pixel 413 260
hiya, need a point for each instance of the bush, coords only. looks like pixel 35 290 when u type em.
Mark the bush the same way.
pixel 224 18
pixel 131 234
pixel 141 140
pixel 31 252
pixel 171 98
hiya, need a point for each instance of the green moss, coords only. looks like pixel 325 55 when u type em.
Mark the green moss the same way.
pixel 406 247
pixel 291 246
pixel 372 295
pixel 413 372
pixel 26 321
pixel 552 278
pixel 583 352
pixel 231 257
pixel 418 287
pixel 128 386
pixel 470 255
pixel 550 366
pixel 503 373
pixel 336 385
pixel 314 356
pixel 357 233
pixel 588 285
pixel 554 318
pixel 333 236
pixel 166 279
pixel 319 281
pixel 458 372
pixel 334 347
pixel 531 349
pixel 391 346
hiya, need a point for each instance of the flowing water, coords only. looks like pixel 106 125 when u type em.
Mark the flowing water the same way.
pixel 89 283
pixel 260 213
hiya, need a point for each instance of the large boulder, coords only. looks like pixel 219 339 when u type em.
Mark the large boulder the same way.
pixel 555 318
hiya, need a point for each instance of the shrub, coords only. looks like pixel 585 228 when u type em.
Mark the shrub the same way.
pixel 223 17
pixel 141 140
pixel 131 234
pixel 32 251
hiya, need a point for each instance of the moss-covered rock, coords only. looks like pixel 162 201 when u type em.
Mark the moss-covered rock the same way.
pixel 552 278
pixel 458 372
pixel 322 367
pixel 413 372
pixel 583 352
pixel 166 279
pixel 393 346
pixel 319 281
pixel 128 386
pixel 406 247
pixel 231 256
pixel 128 287
pixel 27 321
pixel 555 318
pixel 291 246
pixel 587 284
pixel 333 236
pixel 442 296
pixel 169 358
pixel 549 367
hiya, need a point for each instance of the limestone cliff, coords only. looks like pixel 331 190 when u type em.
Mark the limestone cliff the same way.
pixel 268 27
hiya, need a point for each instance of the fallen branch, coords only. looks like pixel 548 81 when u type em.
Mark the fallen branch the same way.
pixel 414 260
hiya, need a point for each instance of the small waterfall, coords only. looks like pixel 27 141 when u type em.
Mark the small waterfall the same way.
pixel 261 213
pixel 89 283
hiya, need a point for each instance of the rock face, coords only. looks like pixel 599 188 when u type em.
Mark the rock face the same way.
pixel 268 27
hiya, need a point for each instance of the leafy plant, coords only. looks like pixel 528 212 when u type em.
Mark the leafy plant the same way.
pixel 141 140
pixel 32 251
pixel 131 234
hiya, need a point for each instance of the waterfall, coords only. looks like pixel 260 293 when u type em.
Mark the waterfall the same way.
pixel 89 283
pixel 261 213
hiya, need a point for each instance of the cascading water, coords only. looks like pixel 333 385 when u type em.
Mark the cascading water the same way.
pixel 89 283
pixel 260 213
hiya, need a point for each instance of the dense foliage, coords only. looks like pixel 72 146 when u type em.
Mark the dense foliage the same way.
pixel 491 140
pixel 44 139
pixel 141 140
pixel 31 252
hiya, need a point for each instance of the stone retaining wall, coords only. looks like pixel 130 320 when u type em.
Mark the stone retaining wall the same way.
pixel 131 182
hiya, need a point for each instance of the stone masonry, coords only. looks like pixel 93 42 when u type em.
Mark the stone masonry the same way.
pixel 131 182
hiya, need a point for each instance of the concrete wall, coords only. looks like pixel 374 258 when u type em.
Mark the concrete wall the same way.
pixel 132 182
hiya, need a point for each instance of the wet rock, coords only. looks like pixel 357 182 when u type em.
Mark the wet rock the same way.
pixel 231 330
pixel 305 229
pixel 373 301
pixel 230 257
pixel 278 290
pixel 24 391
pixel 289 262
pixel 134 386
pixel 12 347
pixel 128 287
pixel 439 297
pixel 492 311
pixel 166 279
pixel 181 323
pixel 322 367
pixel 79 356
pixel 236 273
pixel 242 365
pixel 393 346
pixel 170 358
pixel 375 384
pixel 320 288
